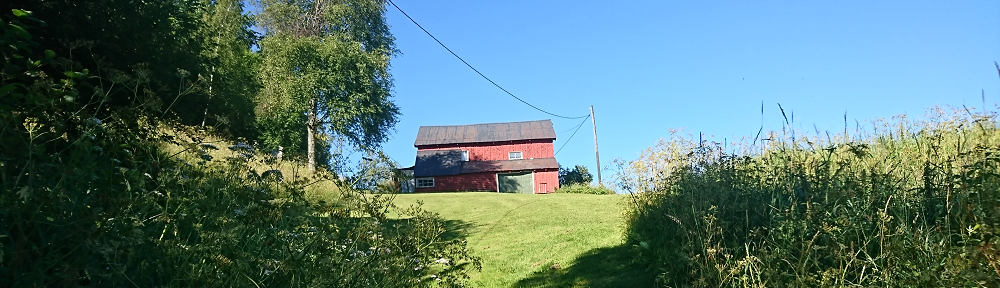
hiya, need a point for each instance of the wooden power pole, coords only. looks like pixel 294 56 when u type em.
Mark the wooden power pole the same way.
pixel 597 154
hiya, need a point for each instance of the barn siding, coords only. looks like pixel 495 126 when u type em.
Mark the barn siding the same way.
pixel 487 182
pixel 494 151
pixel 551 179
pixel 463 182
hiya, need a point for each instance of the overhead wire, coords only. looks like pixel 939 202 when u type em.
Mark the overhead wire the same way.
pixel 477 71
pixel 567 130
pixel 578 126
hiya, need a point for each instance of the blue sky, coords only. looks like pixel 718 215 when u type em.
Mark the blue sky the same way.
pixel 649 66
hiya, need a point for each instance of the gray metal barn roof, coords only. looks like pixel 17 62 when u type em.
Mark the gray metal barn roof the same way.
pixel 480 133
pixel 437 163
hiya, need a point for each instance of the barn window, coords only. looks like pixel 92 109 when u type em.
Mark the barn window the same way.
pixel 425 182
pixel 515 155
pixel 465 155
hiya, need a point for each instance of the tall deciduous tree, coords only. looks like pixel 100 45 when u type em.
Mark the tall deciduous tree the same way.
pixel 325 68
pixel 230 81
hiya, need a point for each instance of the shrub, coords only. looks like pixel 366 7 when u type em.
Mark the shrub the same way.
pixel 92 197
pixel 580 188
pixel 916 204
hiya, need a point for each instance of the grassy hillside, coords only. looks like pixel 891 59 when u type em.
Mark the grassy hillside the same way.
pixel 218 149
pixel 555 240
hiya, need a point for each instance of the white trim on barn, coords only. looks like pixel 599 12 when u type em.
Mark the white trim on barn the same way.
pixel 422 182
pixel 510 155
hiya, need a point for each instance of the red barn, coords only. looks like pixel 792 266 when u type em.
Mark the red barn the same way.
pixel 514 157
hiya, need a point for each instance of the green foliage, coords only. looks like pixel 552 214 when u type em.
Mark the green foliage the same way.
pixel 208 40
pixel 62 167
pixel 92 198
pixel 913 205
pixel 581 188
pixel 577 175
pixel 325 69
pixel 123 37
pixel 230 82
pixel 361 21
pixel 337 76
pixel 577 181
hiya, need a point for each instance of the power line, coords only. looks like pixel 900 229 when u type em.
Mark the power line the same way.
pixel 567 130
pixel 578 126
pixel 474 68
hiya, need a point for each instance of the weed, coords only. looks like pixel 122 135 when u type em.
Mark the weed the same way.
pixel 913 203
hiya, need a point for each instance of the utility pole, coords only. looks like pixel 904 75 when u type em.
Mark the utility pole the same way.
pixel 597 154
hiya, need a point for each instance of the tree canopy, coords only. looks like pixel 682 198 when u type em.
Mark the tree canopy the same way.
pixel 577 175
pixel 325 69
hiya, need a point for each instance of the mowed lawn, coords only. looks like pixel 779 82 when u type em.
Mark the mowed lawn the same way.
pixel 553 240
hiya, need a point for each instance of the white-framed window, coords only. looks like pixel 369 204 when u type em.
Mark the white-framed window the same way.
pixel 465 155
pixel 425 182
pixel 515 155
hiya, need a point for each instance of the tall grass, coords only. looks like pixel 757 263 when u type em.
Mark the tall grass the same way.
pixel 910 203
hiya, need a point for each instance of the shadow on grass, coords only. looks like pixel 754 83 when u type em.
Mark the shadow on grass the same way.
pixel 602 267
pixel 454 229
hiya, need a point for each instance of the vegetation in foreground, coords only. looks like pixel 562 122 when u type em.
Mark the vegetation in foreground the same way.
pixel 554 240
pixel 913 203
pixel 108 180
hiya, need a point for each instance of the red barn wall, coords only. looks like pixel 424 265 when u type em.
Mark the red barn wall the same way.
pixel 498 151
pixel 546 181
pixel 464 182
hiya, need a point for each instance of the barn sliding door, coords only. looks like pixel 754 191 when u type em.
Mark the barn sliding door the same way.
pixel 518 182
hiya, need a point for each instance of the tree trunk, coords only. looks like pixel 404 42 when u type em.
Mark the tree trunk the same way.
pixel 311 136
pixel 211 78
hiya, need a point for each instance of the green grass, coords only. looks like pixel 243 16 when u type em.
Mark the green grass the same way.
pixel 554 240
pixel 915 203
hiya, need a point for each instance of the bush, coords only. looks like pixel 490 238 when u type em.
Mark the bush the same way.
pixel 92 197
pixel 578 174
pixel 580 188
pixel 915 205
